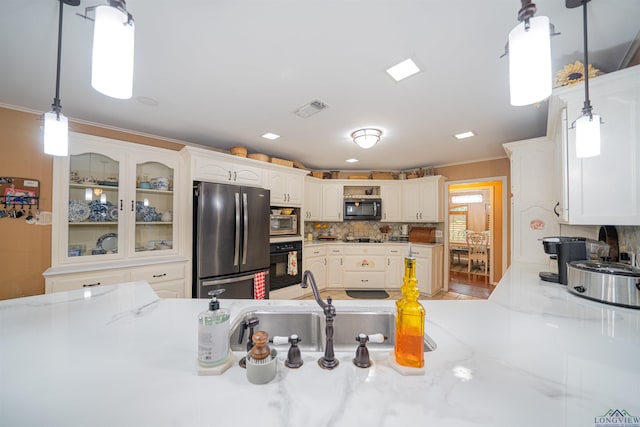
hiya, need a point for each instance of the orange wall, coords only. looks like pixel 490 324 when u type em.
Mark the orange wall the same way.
pixel 25 250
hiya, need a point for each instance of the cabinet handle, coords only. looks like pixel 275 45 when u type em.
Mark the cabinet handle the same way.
pixel 420 215
pixel 121 204
pixel 229 175
pixel 555 211
pixel 325 261
pixel 159 275
pixel 341 264
pixel 235 176
pixel 133 206
pixel 417 215
pixel 388 261
pixel 364 280
pixel 89 285
pixel 284 196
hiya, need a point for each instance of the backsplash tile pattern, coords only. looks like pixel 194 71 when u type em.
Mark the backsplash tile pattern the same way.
pixel 370 229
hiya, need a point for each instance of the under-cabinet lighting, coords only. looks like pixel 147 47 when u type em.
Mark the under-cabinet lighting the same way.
pixel 403 70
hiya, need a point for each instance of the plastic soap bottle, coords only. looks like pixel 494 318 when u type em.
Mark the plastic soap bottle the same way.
pixel 409 347
pixel 213 333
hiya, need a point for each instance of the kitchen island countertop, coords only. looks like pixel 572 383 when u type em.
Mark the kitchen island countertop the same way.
pixel 532 355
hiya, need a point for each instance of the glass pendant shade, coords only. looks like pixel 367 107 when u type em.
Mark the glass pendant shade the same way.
pixel 112 61
pixel 56 134
pixel 588 136
pixel 530 62
pixel 366 138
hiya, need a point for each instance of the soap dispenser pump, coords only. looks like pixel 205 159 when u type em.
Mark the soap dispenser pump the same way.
pixel 213 333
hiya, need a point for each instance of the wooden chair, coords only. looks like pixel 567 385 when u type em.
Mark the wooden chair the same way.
pixel 478 246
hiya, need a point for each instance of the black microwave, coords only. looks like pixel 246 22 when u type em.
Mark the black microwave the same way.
pixel 362 209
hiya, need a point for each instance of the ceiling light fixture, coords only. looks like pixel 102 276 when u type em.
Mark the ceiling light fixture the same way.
pixel 530 57
pixel 464 135
pixel 403 70
pixel 113 46
pixel 351 160
pixel 270 136
pixel 366 138
pixel 588 125
pixel 56 125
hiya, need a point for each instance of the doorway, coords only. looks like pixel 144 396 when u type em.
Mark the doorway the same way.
pixel 475 208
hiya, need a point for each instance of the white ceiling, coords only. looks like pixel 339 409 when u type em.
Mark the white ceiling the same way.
pixel 226 71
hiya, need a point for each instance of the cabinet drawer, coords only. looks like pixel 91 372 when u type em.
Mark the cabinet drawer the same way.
pixel 170 289
pixel 70 282
pixel 397 250
pixel 335 250
pixel 363 280
pixel 364 263
pixel 315 251
pixel 159 273
pixel 359 249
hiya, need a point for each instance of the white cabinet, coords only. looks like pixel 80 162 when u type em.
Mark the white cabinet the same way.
pixel 604 189
pixel 422 199
pixel 364 266
pixel 391 195
pixel 335 264
pixel 167 279
pixel 114 200
pixel 315 260
pixel 394 270
pixel 287 189
pixel 533 198
pixel 312 210
pixel 207 165
pixel 332 202
pixel 429 268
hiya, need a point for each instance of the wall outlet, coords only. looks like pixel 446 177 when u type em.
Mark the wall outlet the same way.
pixel 439 234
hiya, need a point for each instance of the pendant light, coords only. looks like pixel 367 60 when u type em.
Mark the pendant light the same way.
pixel 113 46
pixel 366 138
pixel 588 125
pixel 56 125
pixel 530 57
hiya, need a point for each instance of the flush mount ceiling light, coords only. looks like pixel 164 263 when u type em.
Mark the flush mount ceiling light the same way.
pixel 464 135
pixel 588 125
pixel 113 45
pixel 56 125
pixel 530 57
pixel 366 138
pixel 403 70
pixel 270 136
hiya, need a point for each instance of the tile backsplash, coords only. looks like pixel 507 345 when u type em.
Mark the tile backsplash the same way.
pixel 370 229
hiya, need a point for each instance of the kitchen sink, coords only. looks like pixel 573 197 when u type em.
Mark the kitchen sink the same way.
pixel 310 327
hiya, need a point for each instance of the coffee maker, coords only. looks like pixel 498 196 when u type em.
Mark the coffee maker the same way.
pixel 564 250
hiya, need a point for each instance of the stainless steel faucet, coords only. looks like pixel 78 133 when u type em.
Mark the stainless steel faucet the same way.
pixel 328 361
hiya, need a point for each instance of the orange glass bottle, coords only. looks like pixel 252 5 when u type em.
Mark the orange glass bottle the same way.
pixel 409 347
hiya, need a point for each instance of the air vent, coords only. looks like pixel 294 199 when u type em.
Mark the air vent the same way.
pixel 310 109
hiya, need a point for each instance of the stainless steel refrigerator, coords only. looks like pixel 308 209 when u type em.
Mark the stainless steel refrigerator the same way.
pixel 230 239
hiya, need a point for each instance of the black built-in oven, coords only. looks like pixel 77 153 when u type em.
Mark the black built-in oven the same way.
pixel 283 273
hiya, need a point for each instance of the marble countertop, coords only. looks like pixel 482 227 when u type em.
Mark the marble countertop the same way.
pixel 532 355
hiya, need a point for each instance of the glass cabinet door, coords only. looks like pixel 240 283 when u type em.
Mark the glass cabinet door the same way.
pixel 94 205
pixel 154 207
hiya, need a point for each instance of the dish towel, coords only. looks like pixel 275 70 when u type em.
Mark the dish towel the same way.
pixel 292 263
pixel 258 285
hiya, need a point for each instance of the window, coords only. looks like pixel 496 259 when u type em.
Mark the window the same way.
pixel 457 224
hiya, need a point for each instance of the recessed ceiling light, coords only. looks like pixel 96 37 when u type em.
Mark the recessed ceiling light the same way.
pixel 351 160
pixel 270 136
pixel 403 70
pixel 464 135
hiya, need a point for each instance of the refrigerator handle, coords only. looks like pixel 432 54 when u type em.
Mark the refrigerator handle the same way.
pixel 236 251
pixel 245 218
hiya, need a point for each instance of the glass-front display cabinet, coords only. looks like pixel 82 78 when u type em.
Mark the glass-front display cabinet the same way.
pixel 113 200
